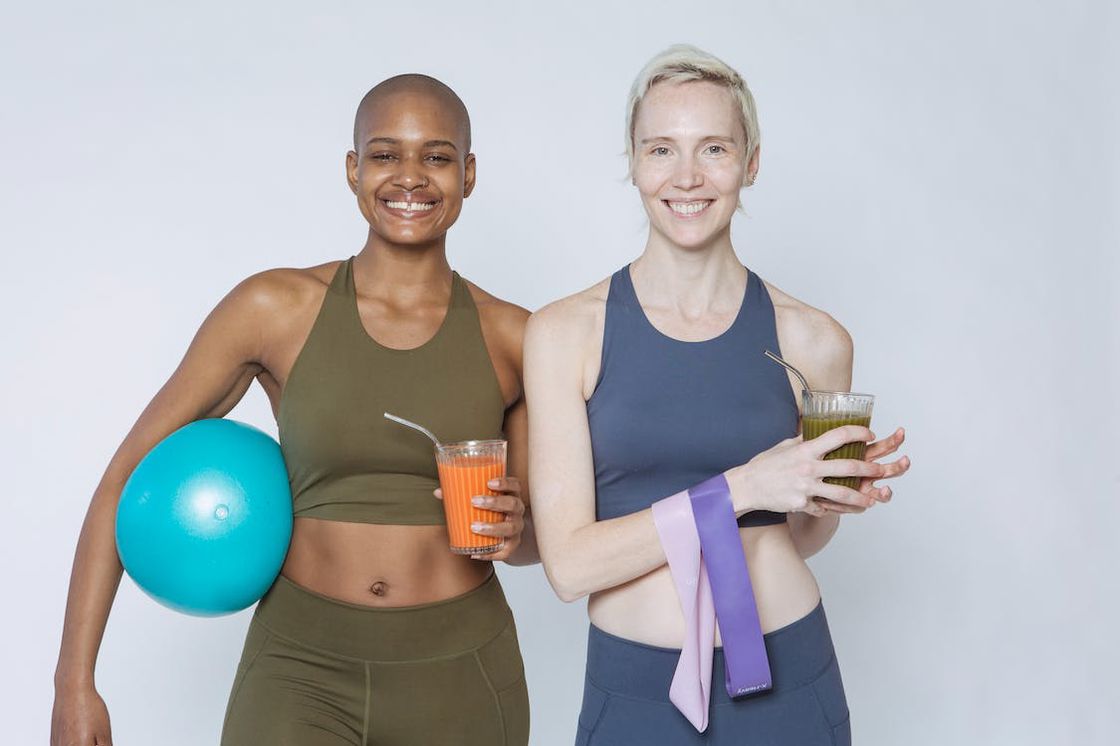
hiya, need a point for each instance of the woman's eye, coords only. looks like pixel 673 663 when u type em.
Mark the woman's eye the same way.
pixel 660 150
pixel 715 149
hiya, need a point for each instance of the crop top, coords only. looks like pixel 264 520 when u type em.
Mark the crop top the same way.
pixel 666 415
pixel 345 461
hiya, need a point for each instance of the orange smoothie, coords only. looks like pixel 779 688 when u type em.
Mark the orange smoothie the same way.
pixel 462 475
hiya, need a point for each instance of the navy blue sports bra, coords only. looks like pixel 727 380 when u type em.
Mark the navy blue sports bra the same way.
pixel 666 415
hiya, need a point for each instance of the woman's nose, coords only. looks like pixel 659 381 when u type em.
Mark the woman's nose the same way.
pixel 687 174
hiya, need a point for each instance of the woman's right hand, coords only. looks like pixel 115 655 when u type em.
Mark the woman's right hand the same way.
pixel 80 718
pixel 787 477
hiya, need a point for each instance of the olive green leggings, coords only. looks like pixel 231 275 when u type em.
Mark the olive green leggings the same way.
pixel 321 672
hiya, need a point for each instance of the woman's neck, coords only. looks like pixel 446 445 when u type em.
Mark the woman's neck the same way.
pixel 384 266
pixel 693 280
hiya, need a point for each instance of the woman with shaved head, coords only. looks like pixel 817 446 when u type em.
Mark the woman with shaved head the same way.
pixel 374 632
pixel 659 428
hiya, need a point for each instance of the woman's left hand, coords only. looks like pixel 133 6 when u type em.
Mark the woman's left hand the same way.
pixel 896 468
pixel 509 529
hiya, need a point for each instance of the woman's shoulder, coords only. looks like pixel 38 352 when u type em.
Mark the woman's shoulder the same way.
pixel 280 284
pixel 578 313
pixel 563 339
pixel 501 321
pixel 282 295
pixel 491 307
pixel 811 338
pixel 806 322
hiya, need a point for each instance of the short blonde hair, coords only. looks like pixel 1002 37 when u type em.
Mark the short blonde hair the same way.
pixel 681 63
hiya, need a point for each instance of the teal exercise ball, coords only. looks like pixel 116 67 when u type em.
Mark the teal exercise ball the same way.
pixel 204 522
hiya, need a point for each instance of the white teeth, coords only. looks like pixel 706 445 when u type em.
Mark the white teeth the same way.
pixel 411 206
pixel 688 208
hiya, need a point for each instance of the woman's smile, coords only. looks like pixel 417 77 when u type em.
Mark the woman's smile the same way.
pixel 688 209
pixel 409 206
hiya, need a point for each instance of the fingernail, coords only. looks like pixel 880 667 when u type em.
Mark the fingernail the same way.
pixel 476 500
pixel 476 526
pixel 492 483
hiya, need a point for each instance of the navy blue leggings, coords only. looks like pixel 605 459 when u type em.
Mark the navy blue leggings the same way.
pixel 626 695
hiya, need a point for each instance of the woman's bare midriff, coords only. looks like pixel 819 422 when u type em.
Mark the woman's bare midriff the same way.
pixel 646 609
pixel 379 565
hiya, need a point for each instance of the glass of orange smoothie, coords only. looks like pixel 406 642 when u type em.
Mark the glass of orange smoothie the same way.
pixel 464 470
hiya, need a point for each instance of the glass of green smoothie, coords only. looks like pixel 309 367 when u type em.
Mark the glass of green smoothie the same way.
pixel 823 410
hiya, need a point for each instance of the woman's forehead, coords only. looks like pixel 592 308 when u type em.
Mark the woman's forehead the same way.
pixel 414 116
pixel 699 108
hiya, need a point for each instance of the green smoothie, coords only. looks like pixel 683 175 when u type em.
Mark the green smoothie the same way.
pixel 813 426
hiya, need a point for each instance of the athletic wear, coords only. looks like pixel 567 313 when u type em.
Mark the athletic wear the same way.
pixel 316 671
pixel 626 695
pixel 321 672
pixel 666 415
pixel 346 462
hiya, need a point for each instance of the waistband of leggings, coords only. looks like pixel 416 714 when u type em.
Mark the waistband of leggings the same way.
pixel 442 628
pixel 798 654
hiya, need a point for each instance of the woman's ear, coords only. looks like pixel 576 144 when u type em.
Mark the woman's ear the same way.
pixel 751 173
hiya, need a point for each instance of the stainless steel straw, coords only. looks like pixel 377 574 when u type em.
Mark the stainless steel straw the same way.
pixel 413 425
pixel 784 364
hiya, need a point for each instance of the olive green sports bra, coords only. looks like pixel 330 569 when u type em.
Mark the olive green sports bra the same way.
pixel 346 462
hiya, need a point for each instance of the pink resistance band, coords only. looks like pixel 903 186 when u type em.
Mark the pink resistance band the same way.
pixel 697 526
pixel 692 680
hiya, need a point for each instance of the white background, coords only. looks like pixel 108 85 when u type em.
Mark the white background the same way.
pixel 940 176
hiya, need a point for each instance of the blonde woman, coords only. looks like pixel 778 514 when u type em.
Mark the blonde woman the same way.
pixel 653 381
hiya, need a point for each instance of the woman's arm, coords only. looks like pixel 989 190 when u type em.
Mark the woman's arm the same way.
pixel 217 369
pixel 580 555
pixel 503 326
pixel 822 349
pixel 517 455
